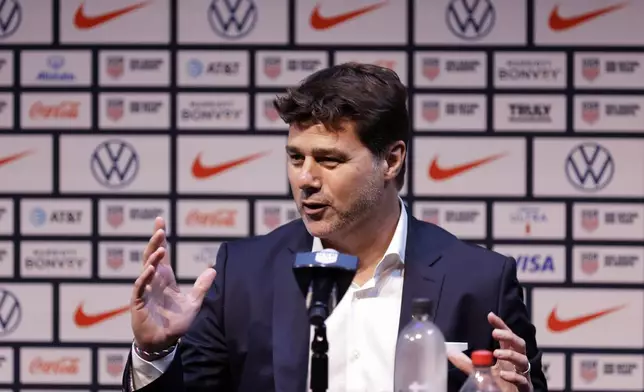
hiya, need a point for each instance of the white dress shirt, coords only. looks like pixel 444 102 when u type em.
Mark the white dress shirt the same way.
pixel 362 330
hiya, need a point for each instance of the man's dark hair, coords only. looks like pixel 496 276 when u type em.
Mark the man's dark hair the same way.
pixel 372 97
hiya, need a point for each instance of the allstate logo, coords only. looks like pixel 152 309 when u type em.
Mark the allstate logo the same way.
pixel 470 19
pixel 232 19
pixel 38 216
pixel 55 62
pixel 195 68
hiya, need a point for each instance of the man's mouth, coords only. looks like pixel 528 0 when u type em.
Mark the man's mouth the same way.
pixel 313 208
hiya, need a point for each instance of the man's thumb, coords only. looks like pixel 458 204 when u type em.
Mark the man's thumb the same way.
pixel 202 284
pixel 461 361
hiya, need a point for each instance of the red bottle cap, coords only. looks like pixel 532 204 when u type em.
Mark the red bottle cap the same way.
pixel 482 358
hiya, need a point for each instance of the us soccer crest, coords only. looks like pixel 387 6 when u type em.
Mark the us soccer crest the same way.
pixel 590 112
pixel 589 263
pixel 431 68
pixel 115 363
pixel 115 216
pixel 115 109
pixel 115 258
pixel 431 110
pixel 272 67
pixel 272 217
pixel 430 215
pixel 269 110
pixel 590 68
pixel 589 220
pixel 115 66
pixel 588 370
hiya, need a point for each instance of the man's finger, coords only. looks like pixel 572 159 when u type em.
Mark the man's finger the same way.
pixel 157 240
pixel 519 361
pixel 461 361
pixel 202 284
pixel 496 321
pixel 509 339
pixel 141 283
pixel 515 378
pixel 155 258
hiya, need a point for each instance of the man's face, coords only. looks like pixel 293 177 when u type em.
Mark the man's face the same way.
pixel 335 179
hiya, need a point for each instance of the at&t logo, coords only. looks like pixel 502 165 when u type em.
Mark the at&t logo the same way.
pixel 590 167
pixel 470 19
pixel 115 164
pixel 232 19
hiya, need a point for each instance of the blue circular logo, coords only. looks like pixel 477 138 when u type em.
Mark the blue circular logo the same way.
pixel 195 68
pixel 38 216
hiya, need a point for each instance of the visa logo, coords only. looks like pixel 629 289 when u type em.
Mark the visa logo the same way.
pixel 534 263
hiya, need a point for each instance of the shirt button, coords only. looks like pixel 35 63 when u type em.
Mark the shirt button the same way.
pixel 356 355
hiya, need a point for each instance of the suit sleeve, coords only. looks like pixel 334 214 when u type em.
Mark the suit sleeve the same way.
pixel 201 361
pixel 513 311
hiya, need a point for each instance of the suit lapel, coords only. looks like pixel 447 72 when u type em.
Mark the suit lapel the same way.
pixel 422 278
pixel 291 335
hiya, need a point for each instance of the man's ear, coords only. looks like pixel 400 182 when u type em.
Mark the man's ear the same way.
pixel 395 159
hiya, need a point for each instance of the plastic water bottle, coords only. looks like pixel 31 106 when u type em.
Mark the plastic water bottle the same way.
pixel 421 357
pixel 481 379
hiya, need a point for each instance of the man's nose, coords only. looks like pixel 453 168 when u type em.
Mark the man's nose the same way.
pixel 309 176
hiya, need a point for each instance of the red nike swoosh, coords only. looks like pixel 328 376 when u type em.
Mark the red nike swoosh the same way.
pixel 559 23
pixel 555 324
pixel 438 173
pixel 15 157
pixel 84 22
pixel 201 171
pixel 85 320
pixel 320 22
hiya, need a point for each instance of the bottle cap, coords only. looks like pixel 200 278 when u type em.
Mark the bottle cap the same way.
pixel 421 306
pixel 482 358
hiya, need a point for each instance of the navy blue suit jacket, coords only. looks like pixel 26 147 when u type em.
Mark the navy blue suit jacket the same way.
pixel 252 333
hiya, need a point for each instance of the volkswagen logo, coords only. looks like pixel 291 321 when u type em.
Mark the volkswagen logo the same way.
pixel 232 19
pixel 10 311
pixel 38 216
pixel 10 17
pixel 590 167
pixel 470 19
pixel 115 164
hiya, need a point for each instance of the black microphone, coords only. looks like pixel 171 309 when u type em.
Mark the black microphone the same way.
pixel 323 277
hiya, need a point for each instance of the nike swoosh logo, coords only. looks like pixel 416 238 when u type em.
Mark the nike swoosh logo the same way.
pixel 559 23
pixel 15 157
pixel 439 173
pixel 84 22
pixel 85 320
pixel 555 324
pixel 320 22
pixel 199 170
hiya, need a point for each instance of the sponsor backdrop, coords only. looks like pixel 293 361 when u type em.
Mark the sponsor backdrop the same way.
pixel 528 139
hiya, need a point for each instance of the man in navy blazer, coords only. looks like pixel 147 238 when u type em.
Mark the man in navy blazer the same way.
pixel 244 326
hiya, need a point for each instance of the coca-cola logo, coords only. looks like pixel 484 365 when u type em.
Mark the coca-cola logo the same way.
pixel 65 109
pixel 215 218
pixel 63 365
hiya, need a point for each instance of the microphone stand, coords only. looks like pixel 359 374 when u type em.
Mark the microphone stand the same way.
pixel 319 360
